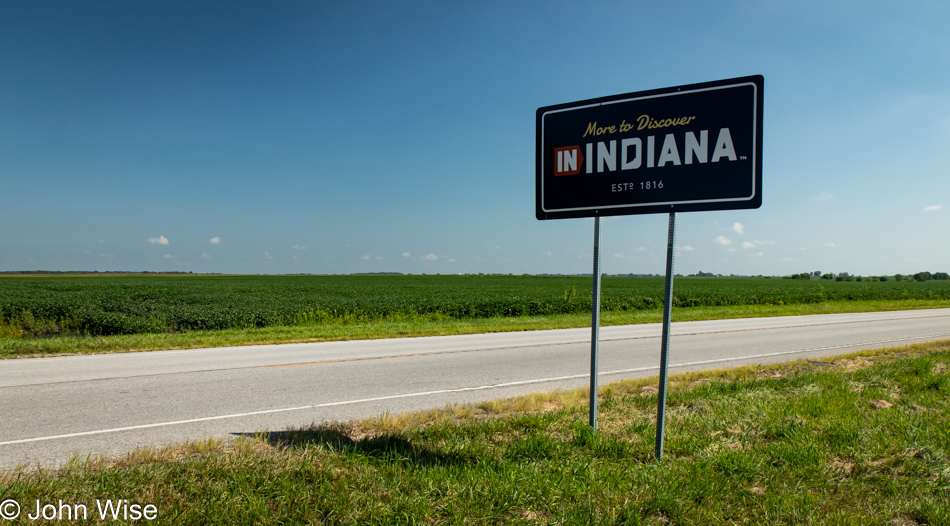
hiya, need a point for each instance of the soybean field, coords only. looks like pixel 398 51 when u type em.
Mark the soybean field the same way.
pixel 133 304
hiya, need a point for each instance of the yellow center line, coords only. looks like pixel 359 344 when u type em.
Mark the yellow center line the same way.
pixel 342 361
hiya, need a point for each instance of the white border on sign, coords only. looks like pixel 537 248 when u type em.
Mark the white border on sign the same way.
pixel 755 95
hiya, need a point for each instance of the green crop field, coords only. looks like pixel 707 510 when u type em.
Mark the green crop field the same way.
pixel 32 306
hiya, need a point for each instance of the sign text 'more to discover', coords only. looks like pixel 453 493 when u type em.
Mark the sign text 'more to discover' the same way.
pixel 688 148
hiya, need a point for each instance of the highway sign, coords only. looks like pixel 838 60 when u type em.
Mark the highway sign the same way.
pixel 684 148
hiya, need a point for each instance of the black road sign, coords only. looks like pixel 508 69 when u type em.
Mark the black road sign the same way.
pixel 679 149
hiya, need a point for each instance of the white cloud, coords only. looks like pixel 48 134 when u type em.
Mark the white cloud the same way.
pixel 823 196
pixel 738 227
pixel 623 256
pixel 933 208
pixel 688 248
pixel 405 254
pixel 802 248
pixel 730 250
pixel 430 257
pixel 107 256
pixel 268 255
pixel 215 240
pixel 378 258
pixel 641 249
pixel 723 240
pixel 548 253
pixel 788 259
pixel 168 256
pixel 830 245
pixel 366 257
pixel 160 240
pixel 299 247
pixel 760 254
pixel 205 256
pixel 102 241
pixel 746 244
pixel 452 260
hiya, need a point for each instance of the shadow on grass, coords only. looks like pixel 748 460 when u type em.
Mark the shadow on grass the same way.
pixel 387 447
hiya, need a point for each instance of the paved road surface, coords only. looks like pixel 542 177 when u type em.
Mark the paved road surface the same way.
pixel 110 404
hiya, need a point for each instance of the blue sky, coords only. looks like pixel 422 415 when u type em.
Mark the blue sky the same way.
pixel 319 137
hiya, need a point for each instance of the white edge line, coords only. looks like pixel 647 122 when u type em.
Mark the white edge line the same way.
pixel 458 390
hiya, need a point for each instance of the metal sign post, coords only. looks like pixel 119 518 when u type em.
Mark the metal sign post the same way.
pixel 665 342
pixel 595 326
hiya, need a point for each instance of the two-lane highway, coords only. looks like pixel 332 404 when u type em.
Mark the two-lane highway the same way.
pixel 111 404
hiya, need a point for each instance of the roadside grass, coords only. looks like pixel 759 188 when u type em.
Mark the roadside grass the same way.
pixel 14 344
pixel 857 439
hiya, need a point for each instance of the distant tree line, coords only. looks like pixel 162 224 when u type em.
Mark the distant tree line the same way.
pixel 844 276
pixel 99 272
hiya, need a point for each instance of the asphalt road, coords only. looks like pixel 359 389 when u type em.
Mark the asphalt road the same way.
pixel 51 408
